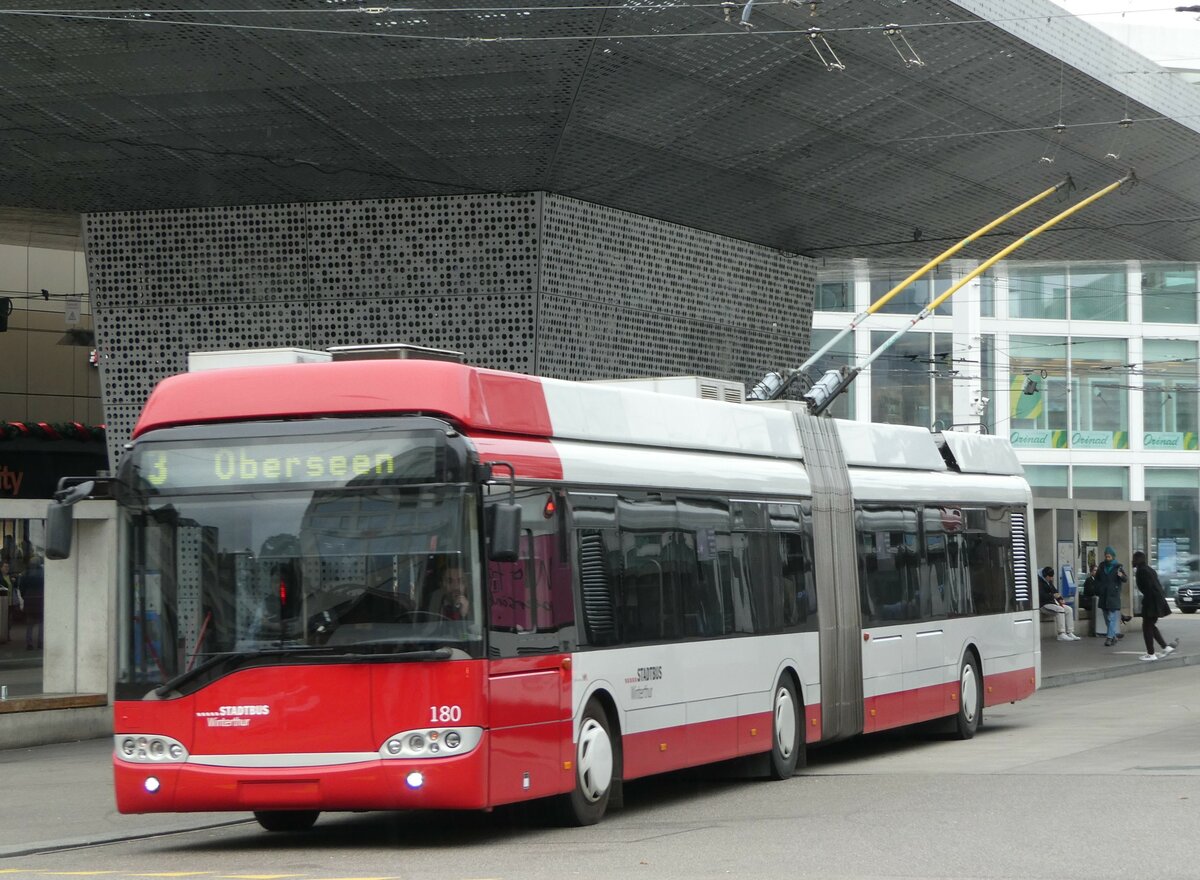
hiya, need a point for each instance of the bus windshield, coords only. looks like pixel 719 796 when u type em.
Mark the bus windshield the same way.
pixel 213 581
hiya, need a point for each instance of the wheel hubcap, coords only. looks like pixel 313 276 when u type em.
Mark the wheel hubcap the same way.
pixel 595 760
pixel 785 722
pixel 970 693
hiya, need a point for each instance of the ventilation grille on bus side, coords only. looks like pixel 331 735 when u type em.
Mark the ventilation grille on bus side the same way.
pixel 597 599
pixel 1020 545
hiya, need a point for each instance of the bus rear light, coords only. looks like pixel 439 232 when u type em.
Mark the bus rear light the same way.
pixel 440 743
pixel 144 748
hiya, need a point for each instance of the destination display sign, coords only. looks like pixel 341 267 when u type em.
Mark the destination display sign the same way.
pixel 244 465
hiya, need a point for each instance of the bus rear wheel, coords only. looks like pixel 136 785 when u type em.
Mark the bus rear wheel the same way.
pixel 597 757
pixel 787 733
pixel 286 820
pixel 970 699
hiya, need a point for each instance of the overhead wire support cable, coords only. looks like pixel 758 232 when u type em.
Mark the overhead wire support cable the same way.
pixel 774 385
pixel 835 382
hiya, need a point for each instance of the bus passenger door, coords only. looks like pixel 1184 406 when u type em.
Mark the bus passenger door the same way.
pixel 531 635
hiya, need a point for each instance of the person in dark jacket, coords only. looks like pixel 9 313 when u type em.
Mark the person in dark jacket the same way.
pixel 33 591
pixel 1050 600
pixel 1154 606
pixel 1110 578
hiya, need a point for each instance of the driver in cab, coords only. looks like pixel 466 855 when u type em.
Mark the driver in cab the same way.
pixel 456 599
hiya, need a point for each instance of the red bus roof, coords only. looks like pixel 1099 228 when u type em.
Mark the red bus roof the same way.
pixel 475 398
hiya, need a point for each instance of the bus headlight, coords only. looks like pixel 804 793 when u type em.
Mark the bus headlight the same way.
pixel 431 744
pixel 146 748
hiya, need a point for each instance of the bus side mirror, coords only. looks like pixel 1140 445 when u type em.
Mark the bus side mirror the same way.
pixel 60 519
pixel 504 532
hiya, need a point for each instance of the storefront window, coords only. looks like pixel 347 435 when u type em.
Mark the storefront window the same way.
pixel 1168 294
pixel 1169 403
pixel 913 298
pixel 987 295
pixel 1110 483
pixel 1036 293
pixel 1098 293
pixel 1037 415
pixel 1047 480
pixel 987 378
pixel 1101 399
pixel 839 356
pixel 901 380
pixel 835 291
pixel 945 369
pixel 1173 494
pixel 22 618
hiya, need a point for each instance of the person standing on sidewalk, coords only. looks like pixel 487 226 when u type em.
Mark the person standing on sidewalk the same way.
pixel 1154 606
pixel 8 596
pixel 1050 600
pixel 1110 576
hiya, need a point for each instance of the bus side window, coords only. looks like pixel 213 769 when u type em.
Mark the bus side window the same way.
pixel 989 556
pixel 890 557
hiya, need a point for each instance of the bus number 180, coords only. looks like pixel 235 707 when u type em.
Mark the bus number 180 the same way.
pixel 443 714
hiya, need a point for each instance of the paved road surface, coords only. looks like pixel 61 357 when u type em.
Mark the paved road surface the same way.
pixel 1097 780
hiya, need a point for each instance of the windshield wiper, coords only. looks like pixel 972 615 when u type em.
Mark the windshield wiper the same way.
pixel 237 658
pixel 417 654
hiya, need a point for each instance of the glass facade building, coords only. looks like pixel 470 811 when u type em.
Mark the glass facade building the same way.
pixel 1091 370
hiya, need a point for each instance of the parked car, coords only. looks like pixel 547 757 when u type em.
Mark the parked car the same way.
pixel 1188 597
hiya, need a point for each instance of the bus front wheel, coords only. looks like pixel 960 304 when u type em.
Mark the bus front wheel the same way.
pixel 970 699
pixel 787 733
pixel 286 820
pixel 597 757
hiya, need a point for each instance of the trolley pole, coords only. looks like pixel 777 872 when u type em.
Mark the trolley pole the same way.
pixel 835 382
pixel 773 385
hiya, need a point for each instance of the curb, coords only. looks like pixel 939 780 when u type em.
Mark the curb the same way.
pixel 1085 675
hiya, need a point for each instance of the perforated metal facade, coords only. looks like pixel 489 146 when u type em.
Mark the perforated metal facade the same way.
pixel 536 283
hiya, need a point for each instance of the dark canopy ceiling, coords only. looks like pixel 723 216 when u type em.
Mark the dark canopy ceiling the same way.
pixel 660 108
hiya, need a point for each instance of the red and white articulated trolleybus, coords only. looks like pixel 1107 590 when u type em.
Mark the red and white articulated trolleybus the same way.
pixel 413 584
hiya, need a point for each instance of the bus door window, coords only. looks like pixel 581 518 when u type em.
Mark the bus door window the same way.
pixel 652 552
pixel 530 604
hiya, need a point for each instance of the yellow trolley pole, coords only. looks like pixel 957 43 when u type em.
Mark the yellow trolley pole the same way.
pixel 774 385
pixel 835 382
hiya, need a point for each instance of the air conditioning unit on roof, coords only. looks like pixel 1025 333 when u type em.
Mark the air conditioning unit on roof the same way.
pixel 686 386
pixel 252 357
